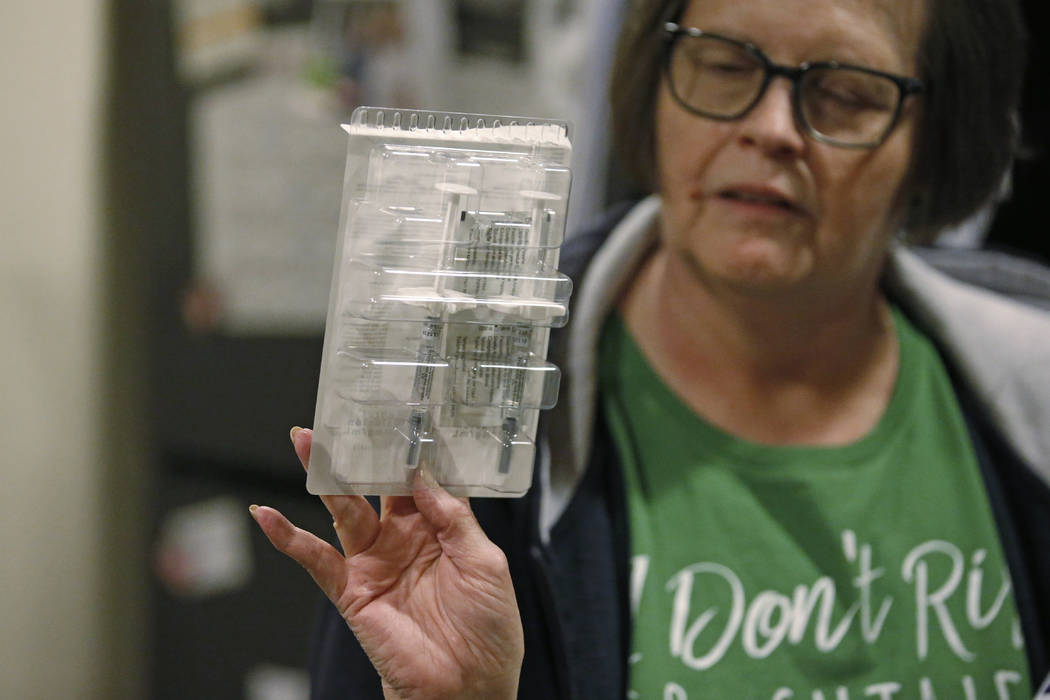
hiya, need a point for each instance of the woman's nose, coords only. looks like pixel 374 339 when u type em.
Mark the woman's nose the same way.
pixel 771 124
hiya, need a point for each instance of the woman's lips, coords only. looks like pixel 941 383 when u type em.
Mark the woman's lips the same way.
pixel 760 198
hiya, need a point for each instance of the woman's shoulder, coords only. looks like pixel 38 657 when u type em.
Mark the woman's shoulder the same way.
pixel 989 314
pixel 1020 278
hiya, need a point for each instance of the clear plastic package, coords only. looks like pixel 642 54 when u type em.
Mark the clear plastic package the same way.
pixel 443 294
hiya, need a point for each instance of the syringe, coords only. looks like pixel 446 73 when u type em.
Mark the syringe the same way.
pixel 540 219
pixel 420 420
pixel 514 390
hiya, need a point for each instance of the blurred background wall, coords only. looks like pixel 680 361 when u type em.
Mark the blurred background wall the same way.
pixel 56 638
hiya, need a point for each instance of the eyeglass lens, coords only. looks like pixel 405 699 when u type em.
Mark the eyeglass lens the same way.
pixel 721 79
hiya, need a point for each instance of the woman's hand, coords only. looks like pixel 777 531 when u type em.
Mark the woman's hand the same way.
pixel 428 596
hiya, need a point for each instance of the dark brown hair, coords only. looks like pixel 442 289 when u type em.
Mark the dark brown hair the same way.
pixel 972 57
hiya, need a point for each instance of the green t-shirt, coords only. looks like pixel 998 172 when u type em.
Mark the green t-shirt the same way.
pixel 871 570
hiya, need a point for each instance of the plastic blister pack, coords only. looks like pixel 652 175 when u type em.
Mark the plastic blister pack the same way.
pixel 443 295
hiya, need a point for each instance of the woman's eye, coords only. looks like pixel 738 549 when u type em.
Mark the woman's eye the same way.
pixel 844 97
pixel 729 67
pixel 852 94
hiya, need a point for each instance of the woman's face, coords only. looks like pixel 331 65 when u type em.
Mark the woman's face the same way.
pixel 756 205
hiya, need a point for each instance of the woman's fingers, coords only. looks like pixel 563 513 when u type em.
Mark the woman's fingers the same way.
pixel 355 521
pixel 302 438
pixel 457 528
pixel 392 506
pixel 320 559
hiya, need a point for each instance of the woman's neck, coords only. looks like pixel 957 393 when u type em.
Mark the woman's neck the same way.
pixel 776 369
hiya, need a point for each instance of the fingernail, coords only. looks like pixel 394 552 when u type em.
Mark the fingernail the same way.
pixel 252 508
pixel 295 430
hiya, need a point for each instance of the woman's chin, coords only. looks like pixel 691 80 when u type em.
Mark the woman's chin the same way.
pixel 759 267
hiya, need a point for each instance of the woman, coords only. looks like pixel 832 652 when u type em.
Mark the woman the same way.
pixel 790 459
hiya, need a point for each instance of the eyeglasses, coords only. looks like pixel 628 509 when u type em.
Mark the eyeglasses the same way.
pixel 836 103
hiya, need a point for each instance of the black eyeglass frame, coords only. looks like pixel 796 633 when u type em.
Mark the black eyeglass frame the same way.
pixel 906 86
